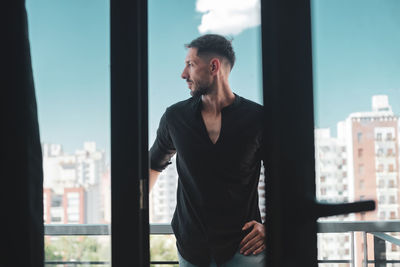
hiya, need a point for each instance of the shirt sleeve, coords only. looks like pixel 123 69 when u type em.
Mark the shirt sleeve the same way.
pixel 163 148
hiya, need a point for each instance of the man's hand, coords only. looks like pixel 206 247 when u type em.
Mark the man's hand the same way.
pixel 254 242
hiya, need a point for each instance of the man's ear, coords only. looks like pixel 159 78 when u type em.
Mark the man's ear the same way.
pixel 215 65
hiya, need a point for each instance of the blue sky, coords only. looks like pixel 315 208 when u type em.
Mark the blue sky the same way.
pixel 355 45
pixel 356 55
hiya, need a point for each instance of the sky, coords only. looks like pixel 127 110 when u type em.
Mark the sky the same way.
pixel 355 56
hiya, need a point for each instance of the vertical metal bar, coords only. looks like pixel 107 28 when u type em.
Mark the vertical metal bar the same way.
pixel 365 249
pixel 129 141
pixel 143 173
pixel 379 252
pixel 288 102
pixel 353 261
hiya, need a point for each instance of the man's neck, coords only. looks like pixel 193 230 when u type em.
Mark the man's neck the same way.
pixel 220 97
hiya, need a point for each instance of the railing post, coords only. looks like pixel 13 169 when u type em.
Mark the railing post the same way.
pixel 365 249
pixel 379 252
pixel 353 261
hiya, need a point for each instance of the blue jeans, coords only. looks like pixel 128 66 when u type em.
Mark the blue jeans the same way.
pixel 238 260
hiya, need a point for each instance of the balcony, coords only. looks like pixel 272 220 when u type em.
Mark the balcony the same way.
pixel 376 229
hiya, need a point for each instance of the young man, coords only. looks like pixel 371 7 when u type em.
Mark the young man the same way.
pixel 217 136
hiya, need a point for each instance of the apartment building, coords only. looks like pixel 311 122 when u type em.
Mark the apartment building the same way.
pixel 373 147
pixel 332 186
pixel 72 184
pixel 163 195
pixel 362 162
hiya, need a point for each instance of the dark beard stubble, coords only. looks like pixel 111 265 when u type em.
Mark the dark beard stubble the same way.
pixel 200 90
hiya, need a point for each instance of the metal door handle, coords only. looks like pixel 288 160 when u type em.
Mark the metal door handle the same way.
pixel 331 209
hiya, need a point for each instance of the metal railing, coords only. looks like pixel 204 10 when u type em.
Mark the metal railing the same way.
pixel 97 230
pixel 376 228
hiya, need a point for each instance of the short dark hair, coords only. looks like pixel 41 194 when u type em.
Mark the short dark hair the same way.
pixel 214 44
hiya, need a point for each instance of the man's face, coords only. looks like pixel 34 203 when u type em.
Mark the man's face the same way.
pixel 196 73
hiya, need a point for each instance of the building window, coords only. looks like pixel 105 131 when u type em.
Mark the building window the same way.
pixel 323 179
pixel 323 191
pixel 390 152
pixel 361 184
pixel 55 219
pixel 382 215
pixel 389 137
pixel 361 169
pixel 381 183
pixel 359 137
pixel 380 168
pixel 381 199
pixel 379 136
pixel 392 200
pixel 392 215
pixel 391 184
pixel 360 152
pixel 391 168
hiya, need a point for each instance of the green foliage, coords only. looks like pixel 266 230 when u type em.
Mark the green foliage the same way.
pixel 163 248
pixel 51 253
pixel 77 248
pixel 87 248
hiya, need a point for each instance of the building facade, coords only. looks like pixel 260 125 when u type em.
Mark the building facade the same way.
pixel 361 163
pixel 333 186
pixel 72 184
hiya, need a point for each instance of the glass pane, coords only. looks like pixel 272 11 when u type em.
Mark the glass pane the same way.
pixel 168 33
pixel 70 57
pixel 167 37
pixel 357 103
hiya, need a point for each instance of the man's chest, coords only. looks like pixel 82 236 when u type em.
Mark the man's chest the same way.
pixel 212 123
pixel 230 137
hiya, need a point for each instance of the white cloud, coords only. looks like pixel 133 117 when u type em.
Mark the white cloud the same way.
pixel 228 16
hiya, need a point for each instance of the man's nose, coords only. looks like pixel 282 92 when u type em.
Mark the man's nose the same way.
pixel 184 74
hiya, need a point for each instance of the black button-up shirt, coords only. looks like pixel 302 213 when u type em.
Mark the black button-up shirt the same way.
pixel 217 186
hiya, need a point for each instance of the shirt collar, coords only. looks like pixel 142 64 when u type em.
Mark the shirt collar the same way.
pixel 197 103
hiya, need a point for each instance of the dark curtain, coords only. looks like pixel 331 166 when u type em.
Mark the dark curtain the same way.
pixel 21 203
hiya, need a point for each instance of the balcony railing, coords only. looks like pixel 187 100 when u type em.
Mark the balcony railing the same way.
pixel 376 228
